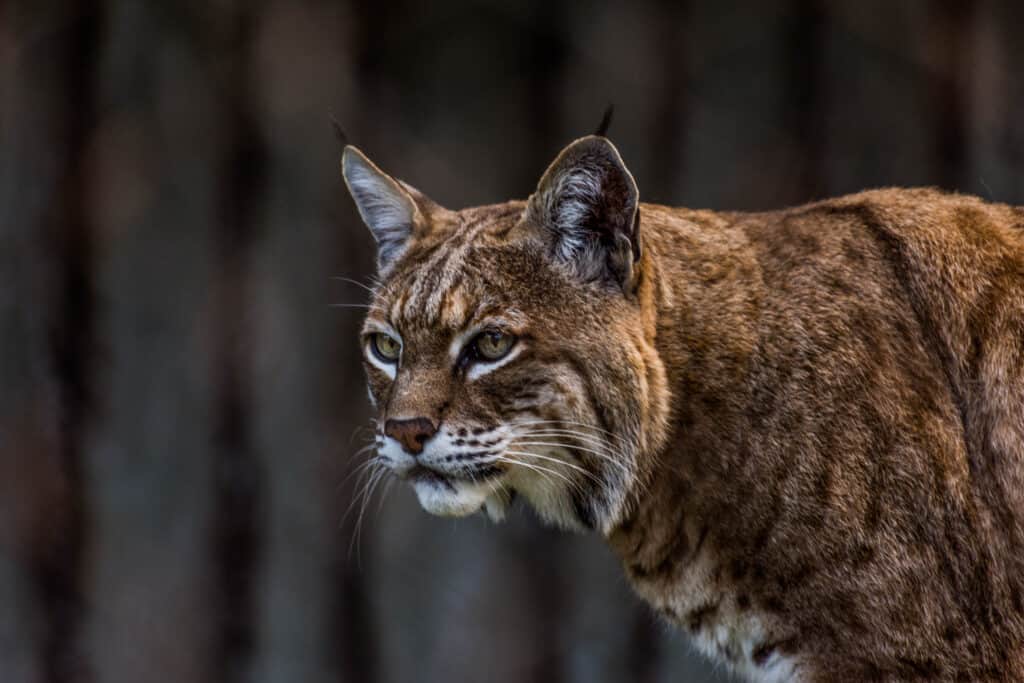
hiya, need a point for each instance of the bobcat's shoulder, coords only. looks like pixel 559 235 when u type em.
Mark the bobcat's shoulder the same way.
pixel 843 491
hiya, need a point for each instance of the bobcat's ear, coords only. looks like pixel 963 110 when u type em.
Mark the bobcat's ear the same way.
pixel 587 204
pixel 389 207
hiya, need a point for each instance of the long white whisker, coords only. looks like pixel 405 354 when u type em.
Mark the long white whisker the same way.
pixel 378 475
pixel 384 494
pixel 538 468
pixel 374 307
pixel 363 470
pixel 369 289
pixel 560 462
pixel 360 429
pixel 592 441
pixel 543 472
pixel 574 423
pixel 599 456
pixel 589 438
pixel 363 465
pixel 571 447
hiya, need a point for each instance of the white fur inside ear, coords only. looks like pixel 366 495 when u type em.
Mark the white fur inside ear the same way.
pixel 385 207
pixel 575 198
pixel 571 204
pixel 587 201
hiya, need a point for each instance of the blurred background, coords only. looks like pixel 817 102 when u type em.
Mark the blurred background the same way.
pixel 180 408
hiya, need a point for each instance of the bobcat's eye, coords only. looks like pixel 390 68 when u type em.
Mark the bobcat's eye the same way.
pixel 385 347
pixel 492 345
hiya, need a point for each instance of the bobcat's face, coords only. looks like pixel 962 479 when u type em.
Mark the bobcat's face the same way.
pixel 505 351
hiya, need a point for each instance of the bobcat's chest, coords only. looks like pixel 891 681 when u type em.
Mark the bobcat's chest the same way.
pixel 724 625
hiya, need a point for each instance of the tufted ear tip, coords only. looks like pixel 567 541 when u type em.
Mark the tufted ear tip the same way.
pixel 339 133
pixel 606 121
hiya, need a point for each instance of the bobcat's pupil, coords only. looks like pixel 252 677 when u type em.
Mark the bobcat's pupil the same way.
pixel 492 345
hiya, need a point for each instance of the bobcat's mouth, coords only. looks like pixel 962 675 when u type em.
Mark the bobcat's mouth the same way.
pixel 419 474
pixel 452 494
pixel 428 475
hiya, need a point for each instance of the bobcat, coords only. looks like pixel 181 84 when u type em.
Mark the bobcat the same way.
pixel 801 431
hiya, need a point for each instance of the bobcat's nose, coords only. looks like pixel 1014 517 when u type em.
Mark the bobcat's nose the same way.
pixel 412 433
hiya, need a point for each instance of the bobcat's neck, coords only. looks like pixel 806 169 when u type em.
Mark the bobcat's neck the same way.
pixel 703 294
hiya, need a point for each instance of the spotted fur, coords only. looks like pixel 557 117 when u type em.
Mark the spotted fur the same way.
pixel 801 431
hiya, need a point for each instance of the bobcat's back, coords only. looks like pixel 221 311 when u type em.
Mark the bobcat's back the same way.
pixel 847 463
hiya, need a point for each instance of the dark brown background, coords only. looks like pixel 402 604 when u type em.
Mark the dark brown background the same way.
pixel 178 401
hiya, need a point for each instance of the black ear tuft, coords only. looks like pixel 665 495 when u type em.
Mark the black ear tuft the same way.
pixel 587 203
pixel 606 122
pixel 339 133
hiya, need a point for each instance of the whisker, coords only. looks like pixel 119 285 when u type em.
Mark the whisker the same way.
pixel 611 458
pixel 358 469
pixel 561 462
pixel 541 471
pixel 375 479
pixel 592 441
pixel 361 466
pixel 384 494
pixel 359 430
pixel 369 289
pixel 366 306
pixel 538 468
pixel 364 470
pixel 574 423
pixel 598 454
pixel 590 438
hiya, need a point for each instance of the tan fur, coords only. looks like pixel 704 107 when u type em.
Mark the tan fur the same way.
pixel 801 431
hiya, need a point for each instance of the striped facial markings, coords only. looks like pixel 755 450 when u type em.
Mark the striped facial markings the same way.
pixel 456 299
pixel 433 294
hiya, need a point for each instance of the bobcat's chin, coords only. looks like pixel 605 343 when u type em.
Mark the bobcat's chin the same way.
pixel 451 498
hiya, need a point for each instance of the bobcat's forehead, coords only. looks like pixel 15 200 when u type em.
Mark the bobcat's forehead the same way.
pixel 470 270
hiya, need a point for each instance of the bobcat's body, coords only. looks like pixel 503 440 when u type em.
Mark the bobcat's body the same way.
pixel 843 490
pixel 801 431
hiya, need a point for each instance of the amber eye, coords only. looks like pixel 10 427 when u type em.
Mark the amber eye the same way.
pixel 385 347
pixel 492 345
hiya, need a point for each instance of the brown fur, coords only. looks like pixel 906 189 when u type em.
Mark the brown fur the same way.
pixel 817 414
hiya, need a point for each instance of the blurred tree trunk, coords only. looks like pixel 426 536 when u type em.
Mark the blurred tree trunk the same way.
pixel 353 619
pixel 46 359
pixel 298 348
pixel 807 94
pixel 150 456
pixel 227 42
pixel 672 100
pixel 950 55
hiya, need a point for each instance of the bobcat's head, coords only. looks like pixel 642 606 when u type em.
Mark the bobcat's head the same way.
pixel 509 348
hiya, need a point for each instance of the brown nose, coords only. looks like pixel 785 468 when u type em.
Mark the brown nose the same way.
pixel 411 433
